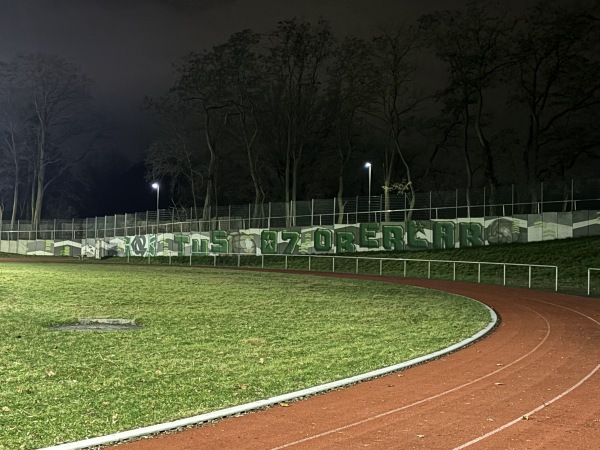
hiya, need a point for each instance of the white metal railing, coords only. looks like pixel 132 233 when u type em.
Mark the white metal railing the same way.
pixel 404 261
pixel 589 279
pixel 429 262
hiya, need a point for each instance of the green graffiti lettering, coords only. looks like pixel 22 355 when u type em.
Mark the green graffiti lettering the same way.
pixel 65 251
pixel 470 234
pixel 367 235
pixel 181 240
pixel 127 245
pixel 344 242
pixel 219 242
pixel 305 245
pixel 268 242
pixel 199 246
pixel 443 235
pixel 413 228
pixel 323 240
pixel 393 237
pixel 293 237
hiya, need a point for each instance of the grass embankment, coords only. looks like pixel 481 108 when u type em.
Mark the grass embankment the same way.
pixel 572 256
pixel 210 339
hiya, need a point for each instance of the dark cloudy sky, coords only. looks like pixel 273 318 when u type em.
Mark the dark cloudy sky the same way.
pixel 127 46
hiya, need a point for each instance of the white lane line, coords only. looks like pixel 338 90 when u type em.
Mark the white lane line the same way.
pixel 527 414
pixel 503 427
pixel 433 397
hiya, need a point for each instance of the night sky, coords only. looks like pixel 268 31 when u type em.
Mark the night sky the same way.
pixel 128 47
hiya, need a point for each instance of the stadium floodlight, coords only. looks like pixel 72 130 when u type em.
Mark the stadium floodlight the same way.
pixel 156 186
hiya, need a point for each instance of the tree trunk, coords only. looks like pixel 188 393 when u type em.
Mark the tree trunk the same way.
pixel 340 197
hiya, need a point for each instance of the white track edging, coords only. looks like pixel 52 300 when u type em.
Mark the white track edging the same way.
pixel 259 404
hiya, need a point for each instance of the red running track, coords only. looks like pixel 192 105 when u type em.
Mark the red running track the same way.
pixel 534 383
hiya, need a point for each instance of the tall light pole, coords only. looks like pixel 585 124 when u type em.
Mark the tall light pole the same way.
pixel 156 186
pixel 368 166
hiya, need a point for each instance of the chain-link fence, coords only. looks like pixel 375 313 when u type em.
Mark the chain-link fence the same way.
pixel 574 195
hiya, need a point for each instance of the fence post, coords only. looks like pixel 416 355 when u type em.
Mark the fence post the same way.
pixel 512 199
pixel 572 196
pixel 269 221
pixel 529 277
pixel 588 284
pixel 542 201
pixel 430 204
pixel 456 200
pixel 454 271
pixel 484 202
pixel 312 212
pixel 333 219
pixel 479 271
pixel 503 274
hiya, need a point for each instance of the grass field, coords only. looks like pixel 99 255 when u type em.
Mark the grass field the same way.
pixel 210 339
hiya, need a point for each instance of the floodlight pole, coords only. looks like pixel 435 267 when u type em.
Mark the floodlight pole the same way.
pixel 156 186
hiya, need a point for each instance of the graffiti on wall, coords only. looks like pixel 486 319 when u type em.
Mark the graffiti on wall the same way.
pixel 337 239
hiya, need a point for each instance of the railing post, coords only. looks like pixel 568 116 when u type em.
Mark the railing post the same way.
pixel 404 268
pixel 588 283
pixel 309 258
pixel 454 271
pixel 503 274
pixel 479 271
pixel 238 260
pixel 380 266
pixel 556 279
pixel 357 265
pixel 333 264
pixel 530 277
pixel 262 261
pixel 428 267
pixel 286 262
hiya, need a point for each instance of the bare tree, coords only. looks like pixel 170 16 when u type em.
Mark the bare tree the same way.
pixel 557 48
pixel 246 84
pixel 349 93
pixel 202 85
pixel 12 124
pixel 295 62
pixel 57 95
pixel 396 101
pixel 173 154
pixel 474 45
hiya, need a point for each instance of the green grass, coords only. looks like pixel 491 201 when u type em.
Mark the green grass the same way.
pixel 572 256
pixel 211 339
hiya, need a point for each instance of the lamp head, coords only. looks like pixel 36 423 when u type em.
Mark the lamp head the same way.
pixel 155 185
pixel 367 165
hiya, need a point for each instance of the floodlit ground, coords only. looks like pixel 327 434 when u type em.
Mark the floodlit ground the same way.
pixel 210 339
